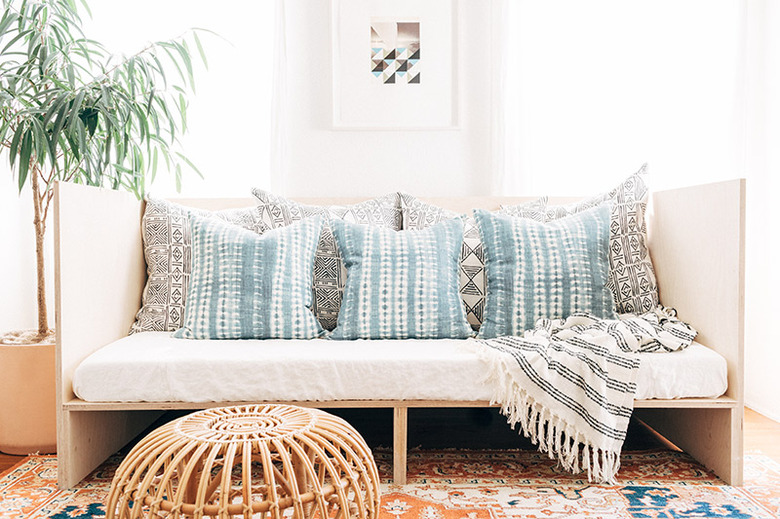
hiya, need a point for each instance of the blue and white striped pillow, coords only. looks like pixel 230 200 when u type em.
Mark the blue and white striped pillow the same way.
pixel 400 284
pixel 249 286
pixel 544 270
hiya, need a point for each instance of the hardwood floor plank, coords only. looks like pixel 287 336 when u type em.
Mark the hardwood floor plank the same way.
pixel 762 435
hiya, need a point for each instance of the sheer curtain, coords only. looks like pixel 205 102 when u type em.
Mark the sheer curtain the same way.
pixel 585 92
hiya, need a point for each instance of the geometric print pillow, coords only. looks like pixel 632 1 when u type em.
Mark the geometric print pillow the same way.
pixel 165 229
pixel 544 270
pixel 632 277
pixel 329 272
pixel 421 215
pixel 249 286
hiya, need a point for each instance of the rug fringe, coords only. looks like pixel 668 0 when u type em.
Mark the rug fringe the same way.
pixel 551 433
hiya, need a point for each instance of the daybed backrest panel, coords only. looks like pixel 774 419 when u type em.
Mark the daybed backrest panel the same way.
pixel 463 204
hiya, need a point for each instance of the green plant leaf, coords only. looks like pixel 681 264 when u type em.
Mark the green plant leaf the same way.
pixel 54 108
pixel 167 48
pixel 60 121
pixel 190 164
pixel 25 152
pixel 154 164
pixel 15 39
pixel 14 149
pixel 40 142
pixel 8 19
pixel 76 109
pixel 200 49
pixel 178 178
pixel 86 7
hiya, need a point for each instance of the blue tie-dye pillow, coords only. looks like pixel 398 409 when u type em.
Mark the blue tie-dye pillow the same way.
pixel 401 284
pixel 249 286
pixel 544 270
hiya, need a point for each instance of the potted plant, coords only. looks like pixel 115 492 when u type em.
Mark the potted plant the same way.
pixel 70 111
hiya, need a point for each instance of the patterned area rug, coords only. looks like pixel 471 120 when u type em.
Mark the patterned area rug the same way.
pixel 456 484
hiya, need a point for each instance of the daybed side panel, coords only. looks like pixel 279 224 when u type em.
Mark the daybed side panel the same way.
pixel 92 437
pixel 713 436
pixel 99 270
pixel 697 243
pixel 99 276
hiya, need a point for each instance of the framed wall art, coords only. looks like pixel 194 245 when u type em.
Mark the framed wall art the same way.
pixel 394 64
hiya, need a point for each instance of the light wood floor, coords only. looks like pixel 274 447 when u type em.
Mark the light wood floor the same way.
pixel 761 435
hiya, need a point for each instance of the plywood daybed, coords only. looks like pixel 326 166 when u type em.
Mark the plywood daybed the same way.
pixel 697 247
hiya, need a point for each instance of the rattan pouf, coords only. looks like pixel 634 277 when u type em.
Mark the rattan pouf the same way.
pixel 248 461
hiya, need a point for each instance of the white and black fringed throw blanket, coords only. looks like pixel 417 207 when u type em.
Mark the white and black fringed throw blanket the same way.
pixel 570 383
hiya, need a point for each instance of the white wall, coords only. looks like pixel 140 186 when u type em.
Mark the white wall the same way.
pixel 323 162
pixel 230 119
pixel 762 156
pixel 17 257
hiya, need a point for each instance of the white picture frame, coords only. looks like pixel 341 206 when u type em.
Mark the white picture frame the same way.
pixel 399 92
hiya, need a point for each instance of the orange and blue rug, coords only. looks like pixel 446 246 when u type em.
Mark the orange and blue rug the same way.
pixel 480 484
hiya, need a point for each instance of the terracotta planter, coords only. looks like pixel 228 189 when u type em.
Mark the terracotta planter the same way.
pixel 28 418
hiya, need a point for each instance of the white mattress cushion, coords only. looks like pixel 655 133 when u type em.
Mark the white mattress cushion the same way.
pixel 155 367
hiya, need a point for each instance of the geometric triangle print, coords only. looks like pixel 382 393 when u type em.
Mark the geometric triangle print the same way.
pixel 470 288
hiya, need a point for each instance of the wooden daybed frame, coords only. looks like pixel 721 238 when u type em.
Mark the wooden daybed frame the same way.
pixel 696 243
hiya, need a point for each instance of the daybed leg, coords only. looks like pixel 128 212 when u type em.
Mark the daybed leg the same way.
pixel 399 445
pixel 713 436
pixel 85 439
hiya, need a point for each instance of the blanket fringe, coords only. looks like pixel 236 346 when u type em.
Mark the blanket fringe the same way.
pixel 550 432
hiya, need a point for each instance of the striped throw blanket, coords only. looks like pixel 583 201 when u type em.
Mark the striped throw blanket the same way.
pixel 570 383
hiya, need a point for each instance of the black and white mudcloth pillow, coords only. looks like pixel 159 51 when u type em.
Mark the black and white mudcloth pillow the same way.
pixel 632 278
pixel 329 272
pixel 165 229
pixel 473 285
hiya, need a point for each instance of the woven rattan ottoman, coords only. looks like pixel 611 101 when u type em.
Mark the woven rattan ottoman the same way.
pixel 248 461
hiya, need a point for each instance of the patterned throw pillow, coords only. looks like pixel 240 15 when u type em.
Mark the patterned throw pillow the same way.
pixel 249 286
pixel 165 228
pixel 329 273
pixel 401 284
pixel 632 278
pixel 421 215
pixel 537 270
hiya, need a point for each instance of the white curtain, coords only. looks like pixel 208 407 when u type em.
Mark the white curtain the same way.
pixel 585 92
pixel 279 102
